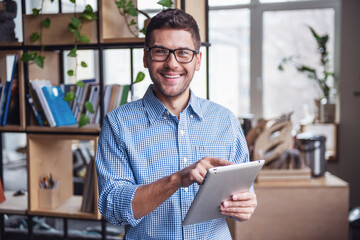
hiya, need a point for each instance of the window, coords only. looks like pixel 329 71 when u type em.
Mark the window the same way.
pixel 249 39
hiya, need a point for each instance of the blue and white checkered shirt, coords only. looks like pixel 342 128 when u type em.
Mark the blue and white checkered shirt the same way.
pixel 141 142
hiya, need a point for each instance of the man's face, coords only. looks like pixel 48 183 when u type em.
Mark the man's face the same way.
pixel 171 79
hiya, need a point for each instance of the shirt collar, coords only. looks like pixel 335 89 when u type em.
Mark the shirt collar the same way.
pixel 157 110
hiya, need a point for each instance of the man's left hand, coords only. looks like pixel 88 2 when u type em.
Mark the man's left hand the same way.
pixel 240 207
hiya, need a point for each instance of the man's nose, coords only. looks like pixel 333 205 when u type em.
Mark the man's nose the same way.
pixel 171 61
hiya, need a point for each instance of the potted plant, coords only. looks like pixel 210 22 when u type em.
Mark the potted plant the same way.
pixel 322 76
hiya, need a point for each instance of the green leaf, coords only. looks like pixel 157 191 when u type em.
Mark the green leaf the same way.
pixel 80 84
pixel 72 53
pixel 84 39
pixel 143 30
pixel 83 120
pixel 132 22
pixel 36 12
pixel 89 106
pixel 46 22
pixel 132 11
pixel 70 73
pixel 139 77
pixel 28 56
pixel 88 9
pixel 39 60
pixel 75 22
pixel 83 64
pixel 165 3
pixel 69 97
pixel 71 27
pixel 77 34
pixel 73 1
pixel 34 37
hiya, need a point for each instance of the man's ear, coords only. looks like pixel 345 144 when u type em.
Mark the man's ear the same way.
pixel 145 58
pixel 198 61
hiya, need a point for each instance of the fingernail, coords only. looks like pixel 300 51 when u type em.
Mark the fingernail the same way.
pixel 226 204
pixel 235 197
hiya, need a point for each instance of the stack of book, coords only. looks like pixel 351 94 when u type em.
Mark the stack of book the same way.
pixel 114 95
pixel 50 108
pixel 48 104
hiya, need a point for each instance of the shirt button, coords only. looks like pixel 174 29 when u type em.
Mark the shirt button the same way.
pixel 186 189
pixel 182 132
pixel 191 116
pixel 185 160
pixel 165 117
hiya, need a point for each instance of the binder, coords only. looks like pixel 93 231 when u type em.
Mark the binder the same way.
pixel 59 108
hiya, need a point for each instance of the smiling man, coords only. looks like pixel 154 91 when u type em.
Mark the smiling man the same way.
pixel 154 152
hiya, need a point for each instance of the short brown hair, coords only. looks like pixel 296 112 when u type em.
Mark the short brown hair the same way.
pixel 174 19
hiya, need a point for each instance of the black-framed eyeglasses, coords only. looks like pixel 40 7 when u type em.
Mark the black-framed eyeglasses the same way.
pixel 182 55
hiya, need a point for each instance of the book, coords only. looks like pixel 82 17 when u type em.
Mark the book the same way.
pixel 80 97
pixel 3 99
pixel 87 204
pixel 37 105
pixel 8 93
pixel 59 108
pixel 35 111
pixel 37 85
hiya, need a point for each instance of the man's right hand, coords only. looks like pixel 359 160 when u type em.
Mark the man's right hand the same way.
pixel 197 171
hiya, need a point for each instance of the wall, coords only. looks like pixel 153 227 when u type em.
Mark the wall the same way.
pixel 348 165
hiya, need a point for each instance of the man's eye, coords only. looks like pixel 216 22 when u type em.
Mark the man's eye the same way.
pixel 183 53
pixel 160 51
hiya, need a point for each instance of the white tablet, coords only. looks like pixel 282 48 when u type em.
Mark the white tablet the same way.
pixel 219 184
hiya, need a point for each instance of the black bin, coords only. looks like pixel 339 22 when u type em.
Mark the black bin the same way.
pixel 312 148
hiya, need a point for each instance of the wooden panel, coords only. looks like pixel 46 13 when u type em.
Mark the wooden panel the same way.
pixel 45 158
pixel 58 33
pixel 310 211
pixel 51 70
pixel 113 27
pixel 196 8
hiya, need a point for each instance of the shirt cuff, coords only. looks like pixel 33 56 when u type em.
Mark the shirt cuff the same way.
pixel 124 205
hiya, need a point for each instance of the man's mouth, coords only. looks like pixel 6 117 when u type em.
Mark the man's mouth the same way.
pixel 171 76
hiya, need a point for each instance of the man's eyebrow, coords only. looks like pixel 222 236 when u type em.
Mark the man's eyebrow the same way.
pixel 160 46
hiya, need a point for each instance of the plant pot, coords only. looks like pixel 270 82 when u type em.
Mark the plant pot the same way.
pixel 327 111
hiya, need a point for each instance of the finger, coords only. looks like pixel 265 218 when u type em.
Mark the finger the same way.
pixel 196 176
pixel 242 204
pixel 216 162
pixel 240 217
pixel 237 210
pixel 244 196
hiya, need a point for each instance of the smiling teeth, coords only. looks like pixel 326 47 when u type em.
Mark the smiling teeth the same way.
pixel 172 76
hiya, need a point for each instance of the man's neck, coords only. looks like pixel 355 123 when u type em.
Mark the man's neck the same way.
pixel 175 104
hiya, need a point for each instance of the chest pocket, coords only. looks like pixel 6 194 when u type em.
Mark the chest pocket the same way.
pixel 215 151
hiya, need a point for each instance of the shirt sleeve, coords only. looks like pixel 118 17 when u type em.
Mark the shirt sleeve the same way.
pixel 116 182
pixel 241 151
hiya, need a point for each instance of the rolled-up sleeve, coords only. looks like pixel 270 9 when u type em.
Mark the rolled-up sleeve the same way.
pixel 116 182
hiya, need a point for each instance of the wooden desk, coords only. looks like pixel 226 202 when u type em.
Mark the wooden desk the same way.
pixel 306 210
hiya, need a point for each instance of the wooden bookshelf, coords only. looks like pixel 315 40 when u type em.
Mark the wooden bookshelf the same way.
pixel 56 158
pixel 74 129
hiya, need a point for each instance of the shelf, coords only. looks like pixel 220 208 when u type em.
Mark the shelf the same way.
pixel 74 129
pixel 10 44
pixel 14 205
pixel 52 154
pixel 68 209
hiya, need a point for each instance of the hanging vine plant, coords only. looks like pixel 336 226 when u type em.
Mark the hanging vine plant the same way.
pixel 33 56
pixel 127 9
pixel 75 25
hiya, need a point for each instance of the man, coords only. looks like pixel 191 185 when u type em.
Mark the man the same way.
pixel 154 152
